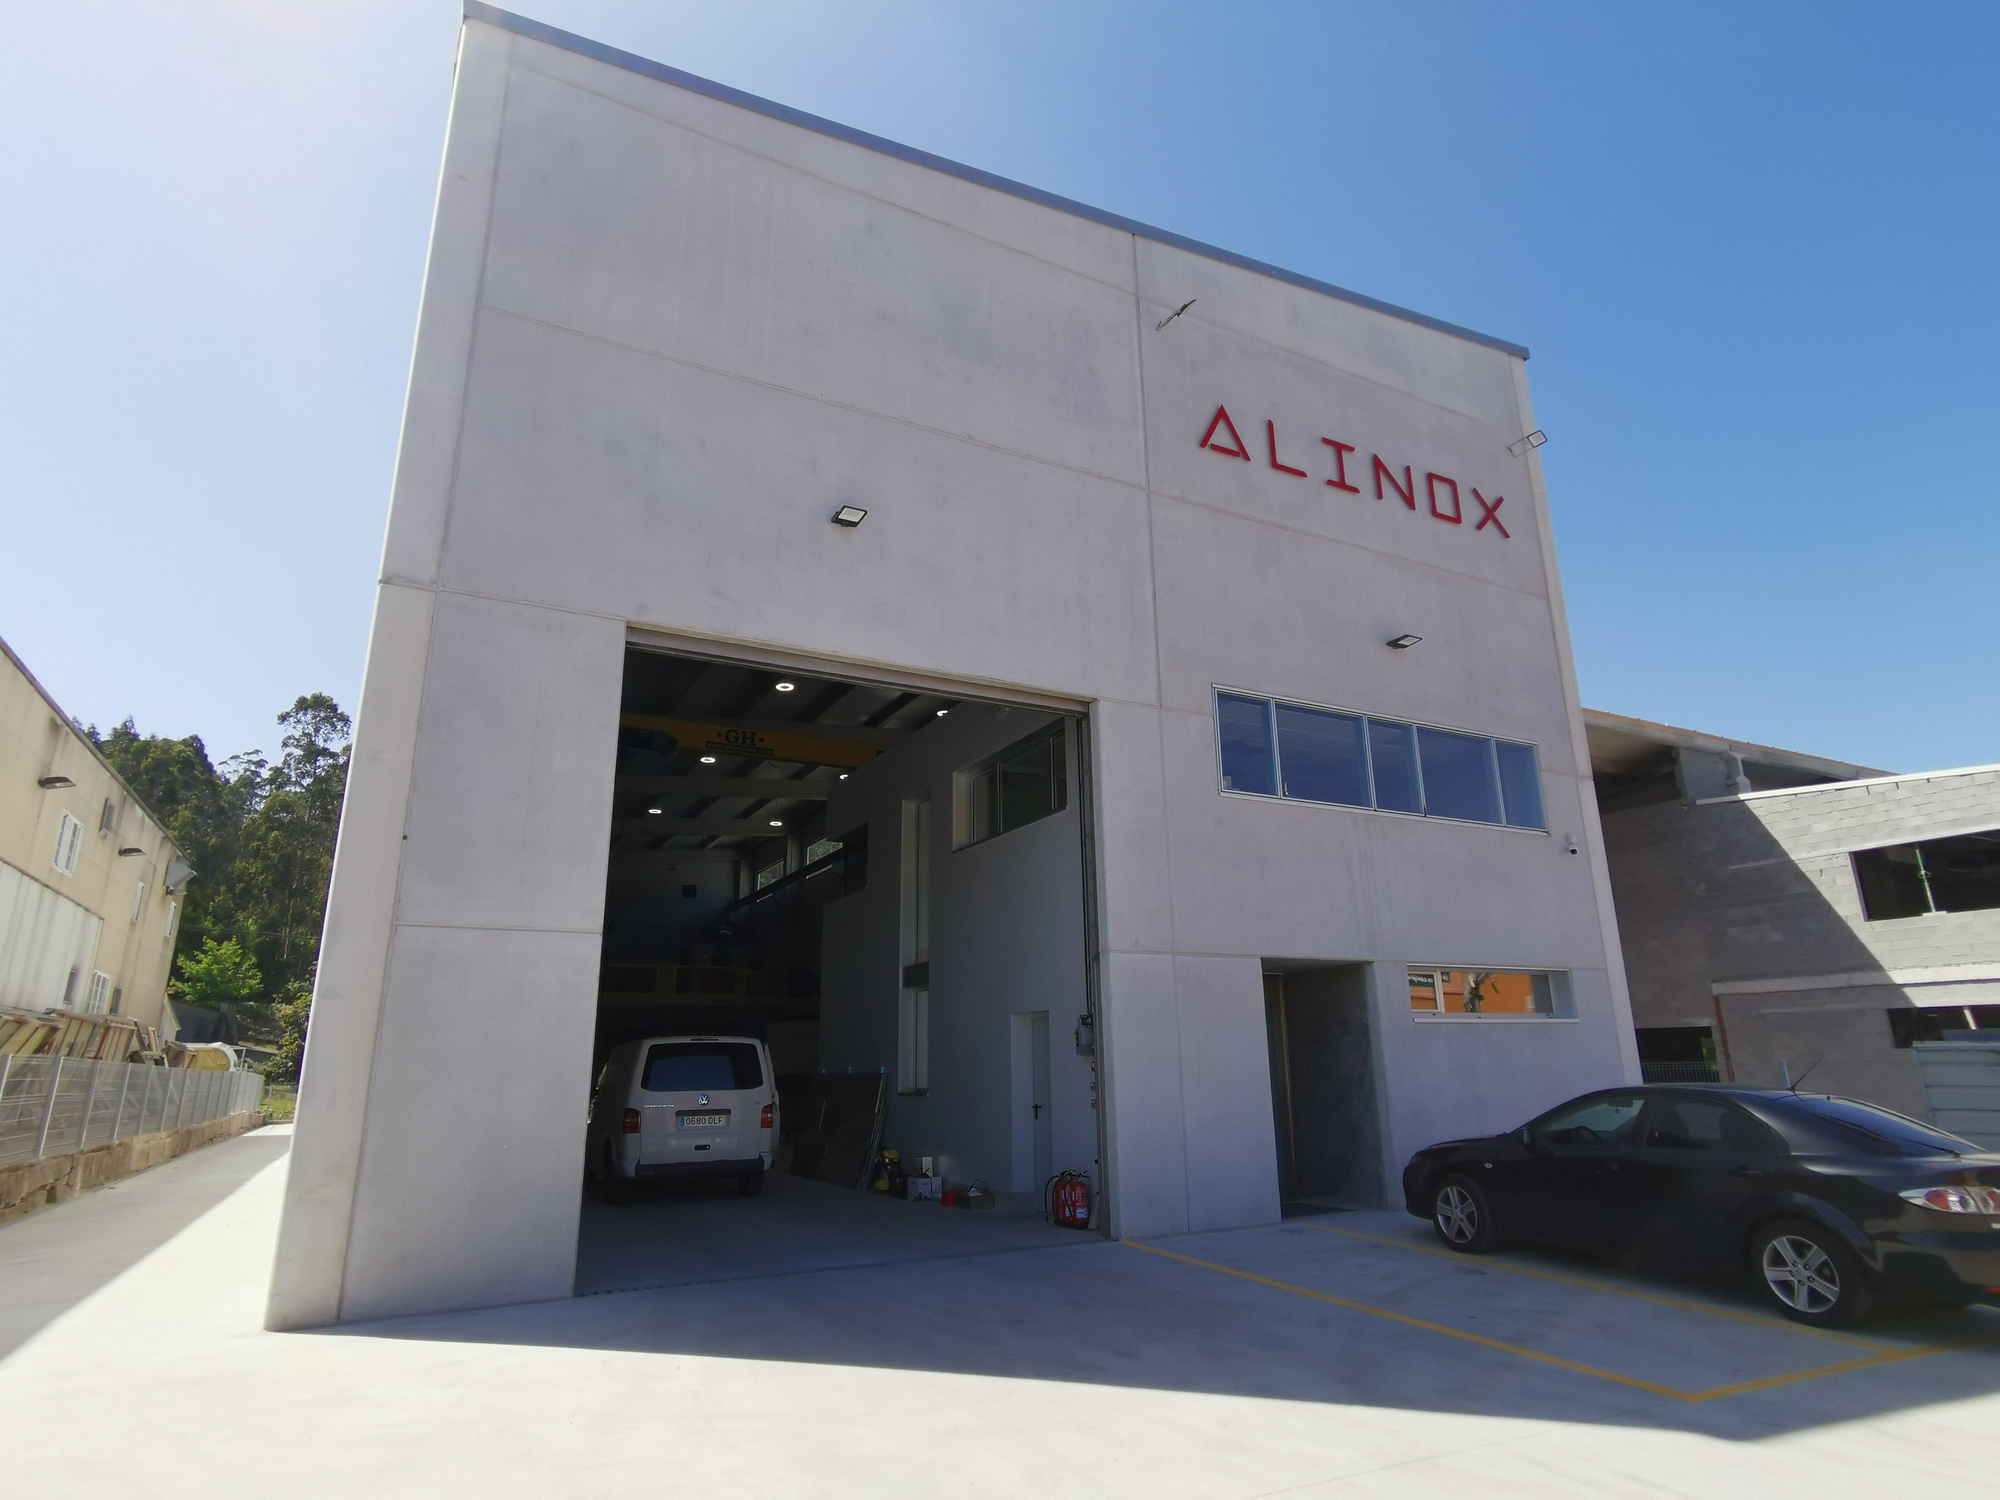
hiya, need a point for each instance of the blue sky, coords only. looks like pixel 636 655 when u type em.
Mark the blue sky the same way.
pixel 1753 249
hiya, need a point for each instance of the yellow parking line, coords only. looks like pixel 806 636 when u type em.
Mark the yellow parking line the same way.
pixel 1759 1319
pixel 1893 1356
pixel 1396 1317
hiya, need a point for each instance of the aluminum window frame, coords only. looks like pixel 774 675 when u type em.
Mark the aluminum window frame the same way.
pixel 1271 702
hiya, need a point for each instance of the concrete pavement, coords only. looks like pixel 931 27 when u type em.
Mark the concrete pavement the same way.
pixel 1336 1357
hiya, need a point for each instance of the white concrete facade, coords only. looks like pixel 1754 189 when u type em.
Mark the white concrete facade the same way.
pixel 665 332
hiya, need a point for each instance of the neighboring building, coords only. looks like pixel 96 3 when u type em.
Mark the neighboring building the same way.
pixel 1094 788
pixel 1780 912
pixel 89 881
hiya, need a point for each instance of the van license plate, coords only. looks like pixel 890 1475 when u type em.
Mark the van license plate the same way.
pixel 698 1122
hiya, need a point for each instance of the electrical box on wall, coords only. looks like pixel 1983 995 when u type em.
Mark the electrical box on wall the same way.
pixel 1086 1035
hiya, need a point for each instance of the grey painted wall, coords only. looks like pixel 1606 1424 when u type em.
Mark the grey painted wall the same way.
pixel 1006 936
pixel 662 337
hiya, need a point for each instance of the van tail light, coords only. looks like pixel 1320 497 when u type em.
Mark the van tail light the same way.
pixel 631 1122
pixel 764 1120
pixel 1957 1200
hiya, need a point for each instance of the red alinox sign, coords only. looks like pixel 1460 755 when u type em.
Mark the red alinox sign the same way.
pixel 1383 473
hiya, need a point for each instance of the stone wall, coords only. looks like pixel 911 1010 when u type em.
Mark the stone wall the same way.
pixel 28 1185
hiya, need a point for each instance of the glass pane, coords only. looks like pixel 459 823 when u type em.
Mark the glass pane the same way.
pixel 1703 1125
pixel 1487 992
pixel 1321 756
pixel 1892 883
pixel 1247 764
pixel 1460 780
pixel 702 1067
pixel 1606 1121
pixel 1423 990
pixel 1393 750
pixel 1026 787
pixel 1963 873
pixel 1520 784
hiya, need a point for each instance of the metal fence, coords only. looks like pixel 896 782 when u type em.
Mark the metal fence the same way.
pixel 49 1105
pixel 1679 1072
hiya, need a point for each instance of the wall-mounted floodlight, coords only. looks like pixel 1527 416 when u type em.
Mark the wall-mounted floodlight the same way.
pixel 1161 326
pixel 653 810
pixel 1402 642
pixel 843 776
pixel 777 822
pixel 849 515
pixel 784 687
pixel 129 850
pixel 1534 439
pixel 708 760
pixel 942 712
pixel 52 783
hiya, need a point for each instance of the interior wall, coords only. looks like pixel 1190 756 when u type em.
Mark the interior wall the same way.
pixel 647 919
pixel 1006 937
pixel 1335 1110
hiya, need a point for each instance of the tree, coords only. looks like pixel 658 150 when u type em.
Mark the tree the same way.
pixel 292 1012
pixel 218 975
pixel 260 837
pixel 285 854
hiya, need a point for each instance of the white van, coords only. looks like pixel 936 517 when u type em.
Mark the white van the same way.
pixel 684 1106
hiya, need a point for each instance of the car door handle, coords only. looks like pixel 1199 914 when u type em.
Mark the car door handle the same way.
pixel 1746 1171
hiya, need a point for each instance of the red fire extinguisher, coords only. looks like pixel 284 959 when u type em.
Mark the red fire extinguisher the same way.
pixel 1068 1198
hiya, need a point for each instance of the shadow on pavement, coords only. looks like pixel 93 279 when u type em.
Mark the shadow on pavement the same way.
pixel 1281 1312
pixel 53 1259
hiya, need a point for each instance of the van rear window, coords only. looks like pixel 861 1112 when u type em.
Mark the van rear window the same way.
pixel 706 1067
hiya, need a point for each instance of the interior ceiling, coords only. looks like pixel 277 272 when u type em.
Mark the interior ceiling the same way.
pixel 714 710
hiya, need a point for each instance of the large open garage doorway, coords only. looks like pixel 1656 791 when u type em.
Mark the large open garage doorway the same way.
pixel 843 918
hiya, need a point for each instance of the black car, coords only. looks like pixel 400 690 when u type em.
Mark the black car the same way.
pixel 1831 1204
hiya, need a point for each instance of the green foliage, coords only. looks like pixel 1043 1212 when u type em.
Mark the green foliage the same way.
pixel 217 974
pixel 260 837
pixel 293 1010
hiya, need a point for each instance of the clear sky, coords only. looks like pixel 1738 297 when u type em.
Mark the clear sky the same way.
pixel 1753 248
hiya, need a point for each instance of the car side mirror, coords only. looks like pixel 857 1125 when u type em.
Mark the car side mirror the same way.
pixel 1527 1138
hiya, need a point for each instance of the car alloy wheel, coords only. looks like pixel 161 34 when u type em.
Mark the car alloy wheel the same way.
pixel 1810 1274
pixel 1461 1216
pixel 1457 1214
pixel 1801 1275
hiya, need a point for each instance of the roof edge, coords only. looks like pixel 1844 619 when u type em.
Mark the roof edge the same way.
pixel 83 739
pixel 476 10
pixel 1842 786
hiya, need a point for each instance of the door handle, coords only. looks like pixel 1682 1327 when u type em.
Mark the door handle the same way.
pixel 1746 1171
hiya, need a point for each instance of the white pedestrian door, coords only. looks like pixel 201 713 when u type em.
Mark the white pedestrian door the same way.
pixel 1038 1106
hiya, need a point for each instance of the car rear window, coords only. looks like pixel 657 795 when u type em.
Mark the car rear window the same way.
pixel 707 1067
pixel 1845 1126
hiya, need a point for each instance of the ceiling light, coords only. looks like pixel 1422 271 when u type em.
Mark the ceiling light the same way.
pixel 786 687
pixel 652 810
pixel 708 760
pixel 1534 439
pixel 51 783
pixel 777 822
pixel 1402 642
pixel 942 712
pixel 849 515
pixel 843 776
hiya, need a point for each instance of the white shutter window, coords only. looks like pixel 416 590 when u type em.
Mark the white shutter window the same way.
pixel 139 900
pixel 100 994
pixel 69 839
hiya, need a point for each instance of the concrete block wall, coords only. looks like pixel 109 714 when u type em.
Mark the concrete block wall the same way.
pixel 1842 1035
pixel 1779 890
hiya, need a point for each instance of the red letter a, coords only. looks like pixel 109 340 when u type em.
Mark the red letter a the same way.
pixel 1221 419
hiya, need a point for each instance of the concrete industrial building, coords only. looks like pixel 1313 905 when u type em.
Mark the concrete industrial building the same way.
pixel 1781 912
pixel 89 880
pixel 1107 686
